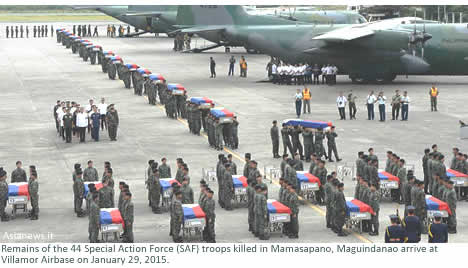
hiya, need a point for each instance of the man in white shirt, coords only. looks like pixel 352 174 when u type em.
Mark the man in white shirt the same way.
pixel 82 123
pixel 60 113
pixel 329 75
pixel 89 107
pixel 405 100
pixel 298 102
pixel 370 105
pixel 341 103
pixel 102 107
pixel 381 101
pixel 274 73
pixel 324 73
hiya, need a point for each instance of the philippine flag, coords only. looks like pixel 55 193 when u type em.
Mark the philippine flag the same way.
pixel 277 207
pixel 111 216
pixel 193 211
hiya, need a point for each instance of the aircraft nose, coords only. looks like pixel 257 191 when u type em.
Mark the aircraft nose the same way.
pixel 414 65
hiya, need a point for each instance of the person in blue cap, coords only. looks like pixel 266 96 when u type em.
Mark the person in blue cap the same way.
pixel 412 226
pixel 437 231
pixel 395 233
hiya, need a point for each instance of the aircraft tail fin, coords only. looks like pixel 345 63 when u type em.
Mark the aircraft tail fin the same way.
pixel 210 15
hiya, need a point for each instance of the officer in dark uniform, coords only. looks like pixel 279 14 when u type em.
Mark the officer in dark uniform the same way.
pixel 7 32
pixel 412 226
pixel 274 133
pixel 437 231
pixel 395 233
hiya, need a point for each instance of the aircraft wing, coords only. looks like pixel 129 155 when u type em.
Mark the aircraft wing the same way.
pixel 155 14
pixel 345 34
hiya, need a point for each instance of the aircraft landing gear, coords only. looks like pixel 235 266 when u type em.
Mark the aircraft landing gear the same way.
pixel 379 79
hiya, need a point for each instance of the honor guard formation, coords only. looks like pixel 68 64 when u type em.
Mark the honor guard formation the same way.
pixel 161 183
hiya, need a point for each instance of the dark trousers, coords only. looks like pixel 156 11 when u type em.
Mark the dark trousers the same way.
pixel 294 225
pixel 396 111
pixel 370 111
pixel 62 133
pixel 68 134
pixel 433 103
pixel 352 110
pixel 324 77
pixel 298 108
pixel 82 133
pixel 332 148
pixel 404 111
pixel 213 72
pixel 95 132
pixel 382 112
pixel 231 69
pixel 275 144
pixel 103 121
pixel 316 79
pixel 287 146
pixel 341 111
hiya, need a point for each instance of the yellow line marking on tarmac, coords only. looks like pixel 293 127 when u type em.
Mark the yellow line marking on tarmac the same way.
pixel 236 155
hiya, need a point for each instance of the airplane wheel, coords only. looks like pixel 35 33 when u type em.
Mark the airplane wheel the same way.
pixel 171 35
pixel 196 50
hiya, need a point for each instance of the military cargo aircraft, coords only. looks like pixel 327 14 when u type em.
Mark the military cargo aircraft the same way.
pixel 150 19
pixel 370 52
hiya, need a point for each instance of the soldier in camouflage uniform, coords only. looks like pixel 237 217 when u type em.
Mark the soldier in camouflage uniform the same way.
pixel 253 172
pixel 94 219
pixel 403 180
pixel 374 203
pixel 3 195
pixel 90 173
pixel 148 175
pixel 308 137
pixel 78 192
pixel 293 204
pixel 451 199
pixel 286 140
pixel 180 173
pixel 196 119
pixel 106 196
pixel 128 217
pixel 112 119
pixel 155 190
pixel 187 192
pixel 340 207
pixel 321 173
pixel 228 187
pixel 319 149
pixel 331 144
pixel 177 216
pixel 33 188
pixel 419 202
pixel 261 213
pixel 125 76
pixel 328 189
pixel 218 127
pixel 18 175
pixel 209 209
pixel 164 169
pixel 251 192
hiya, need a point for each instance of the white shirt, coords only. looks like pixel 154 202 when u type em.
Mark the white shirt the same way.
pixel 329 70
pixel 381 100
pixel 298 96
pixel 324 70
pixel 82 120
pixel 341 101
pixel 370 99
pixel 102 107
pixel 88 107
pixel 405 100
pixel 72 110
pixel 60 115
pixel 273 68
